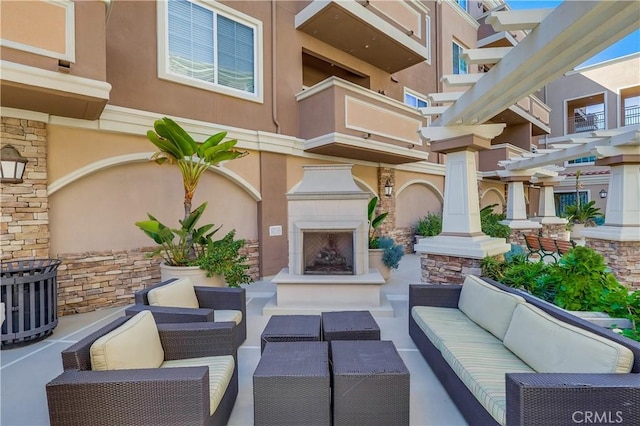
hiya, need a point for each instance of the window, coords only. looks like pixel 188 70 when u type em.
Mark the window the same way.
pixel 462 4
pixel 215 48
pixel 415 100
pixel 630 106
pixel 459 64
pixel 583 160
pixel 564 199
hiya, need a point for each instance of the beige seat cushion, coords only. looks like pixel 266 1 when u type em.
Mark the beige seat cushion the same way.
pixel 135 344
pixel 552 346
pixel 177 294
pixel 224 315
pixel 488 306
pixel 220 374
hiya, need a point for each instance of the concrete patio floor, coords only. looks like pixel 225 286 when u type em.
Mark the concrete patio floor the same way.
pixel 25 370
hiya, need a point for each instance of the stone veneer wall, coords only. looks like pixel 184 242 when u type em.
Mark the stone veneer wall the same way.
pixel 96 280
pixel 623 257
pixel 553 230
pixel 441 269
pixel 24 207
pixel 404 237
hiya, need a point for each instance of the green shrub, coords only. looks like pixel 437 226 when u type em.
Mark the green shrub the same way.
pixel 489 223
pixel 392 252
pixel 429 226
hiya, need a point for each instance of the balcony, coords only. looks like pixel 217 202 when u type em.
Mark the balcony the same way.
pixel 54 57
pixel 342 119
pixel 527 110
pixel 590 122
pixel 389 35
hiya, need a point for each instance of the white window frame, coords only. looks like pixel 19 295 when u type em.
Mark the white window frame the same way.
pixel 417 95
pixel 466 8
pixel 462 49
pixel 164 72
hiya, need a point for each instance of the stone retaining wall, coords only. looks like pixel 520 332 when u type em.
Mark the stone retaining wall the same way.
pixel 440 269
pixel 104 279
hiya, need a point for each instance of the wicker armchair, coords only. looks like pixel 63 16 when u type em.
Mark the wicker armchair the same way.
pixel 149 396
pixel 210 299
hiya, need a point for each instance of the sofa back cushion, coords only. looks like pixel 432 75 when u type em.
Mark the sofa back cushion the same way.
pixel 177 294
pixel 549 345
pixel 135 344
pixel 488 306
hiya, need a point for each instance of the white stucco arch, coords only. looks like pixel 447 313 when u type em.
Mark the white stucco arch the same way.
pixel 498 193
pixel 138 158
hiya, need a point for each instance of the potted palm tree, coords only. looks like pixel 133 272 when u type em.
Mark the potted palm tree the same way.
pixel 181 247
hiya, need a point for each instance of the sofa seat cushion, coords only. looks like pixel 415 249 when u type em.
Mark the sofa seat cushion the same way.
pixel 220 374
pixel 176 294
pixel 482 367
pixel 134 344
pixel 487 305
pixel 440 324
pixel 224 315
pixel 549 345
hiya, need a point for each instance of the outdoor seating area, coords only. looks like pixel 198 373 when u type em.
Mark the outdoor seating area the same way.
pixel 27 369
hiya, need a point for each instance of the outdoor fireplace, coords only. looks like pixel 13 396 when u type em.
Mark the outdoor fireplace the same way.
pixel 328 253
pixel 328 248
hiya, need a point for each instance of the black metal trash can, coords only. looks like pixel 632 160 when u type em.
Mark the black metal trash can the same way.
pixel 29 291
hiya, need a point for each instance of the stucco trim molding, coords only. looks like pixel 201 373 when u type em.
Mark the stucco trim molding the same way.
pixel 138 158
pixel 32 76
pixel 500 194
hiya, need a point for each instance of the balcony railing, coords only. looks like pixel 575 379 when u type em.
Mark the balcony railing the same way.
pixel 631 116
pixel 586 123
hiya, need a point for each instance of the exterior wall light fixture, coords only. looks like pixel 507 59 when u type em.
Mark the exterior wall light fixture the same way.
pixel 388 188
pixel 12 165
pixel 603 193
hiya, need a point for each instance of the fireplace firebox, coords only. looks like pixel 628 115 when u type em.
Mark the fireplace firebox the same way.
pixel 328 253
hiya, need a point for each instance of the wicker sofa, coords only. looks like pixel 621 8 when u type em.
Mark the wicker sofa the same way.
pixel 110 377
pixel 506 357
pixel 217 304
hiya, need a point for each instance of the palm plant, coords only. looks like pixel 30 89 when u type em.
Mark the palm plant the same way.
pixel 192 158
pixel 374 222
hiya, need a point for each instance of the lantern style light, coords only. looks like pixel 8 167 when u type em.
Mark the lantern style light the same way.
pixel 388 188
pixel 12 165
pixel 603 193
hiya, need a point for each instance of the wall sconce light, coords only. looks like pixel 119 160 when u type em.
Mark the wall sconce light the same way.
pixel 603 193
pixel 388 188
pixel 12 165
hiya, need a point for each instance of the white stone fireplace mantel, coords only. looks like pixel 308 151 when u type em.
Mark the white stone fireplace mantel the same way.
pixel 328 203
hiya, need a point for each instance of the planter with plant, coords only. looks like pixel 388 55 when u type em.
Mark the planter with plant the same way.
pixel 181 248
pixel 580 281
pixel 581 215
pixel 384 254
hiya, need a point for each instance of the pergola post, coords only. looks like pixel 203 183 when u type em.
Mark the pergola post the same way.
pixel 517 208
pixel 457 251
pixel 552 225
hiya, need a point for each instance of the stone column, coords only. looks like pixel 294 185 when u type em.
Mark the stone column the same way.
pixel 618 240
pixel 387 204
pixel 552 225
pixel 458 250
pixel 24 228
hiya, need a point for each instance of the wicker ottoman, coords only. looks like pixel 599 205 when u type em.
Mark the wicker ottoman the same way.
pixel 370 384
pixel 349 325
pixel 291 328
pixel 291 385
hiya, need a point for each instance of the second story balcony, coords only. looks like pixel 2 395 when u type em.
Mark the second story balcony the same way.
pixel 391 35
pixel 342 119
pixel 54 57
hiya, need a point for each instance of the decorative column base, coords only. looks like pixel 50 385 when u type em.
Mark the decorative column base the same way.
pixel 623 257
pixel 557 231
pixel 442 269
